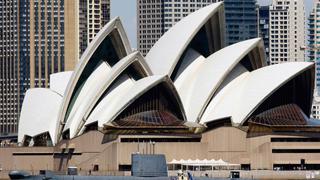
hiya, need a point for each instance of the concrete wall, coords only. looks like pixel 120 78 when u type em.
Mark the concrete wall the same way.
pixel 260 152
pixel 26 159
pixel 93 152
pixel 227 143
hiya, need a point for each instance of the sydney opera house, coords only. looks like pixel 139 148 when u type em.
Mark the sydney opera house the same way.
pixel 189 98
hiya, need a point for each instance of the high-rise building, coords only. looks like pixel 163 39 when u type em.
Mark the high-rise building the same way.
pixel 93 15
pixel 9 66
pixel 47 28
pixel 264 28
pixel 157 16
pixel 287 31
pixel 312 22
pixel 314 41
pixel 41 37
pixel 241 20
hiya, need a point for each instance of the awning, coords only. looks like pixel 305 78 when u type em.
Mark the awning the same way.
pixel 204 162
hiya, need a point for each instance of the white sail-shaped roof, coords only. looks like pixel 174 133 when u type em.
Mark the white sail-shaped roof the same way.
pixel 135 60
pixel 123 96
pixel 87 93
pixel 59 81
pixel 39 113
pixel 114 28
pixel 166 52
pixel 117 93
pixel 243 95
pixel 198 88
pixel 96 85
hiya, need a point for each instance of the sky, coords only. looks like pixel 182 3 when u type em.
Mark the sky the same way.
pixel 126 10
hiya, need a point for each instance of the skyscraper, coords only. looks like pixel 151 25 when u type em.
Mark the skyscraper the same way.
pixel 41 37
pixel 241 20
pixel 287 31
pixel 9 66
pixel 264 28
pixel 157 16
pixel 312 19
pixel 314 40
pixel 93 15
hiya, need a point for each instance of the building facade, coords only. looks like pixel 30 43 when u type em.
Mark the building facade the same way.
pixel 9 66
pixel 268 152
pixel 264 28
pixel 287 31
pixel 41 38
pixel 93 15
pixel 314 40
pixel 149 24
pixel 241 20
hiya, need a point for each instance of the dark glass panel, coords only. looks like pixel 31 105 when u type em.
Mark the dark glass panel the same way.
pixel 42 140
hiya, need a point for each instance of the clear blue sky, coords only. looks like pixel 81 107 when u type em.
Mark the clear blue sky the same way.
pixel 126 9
